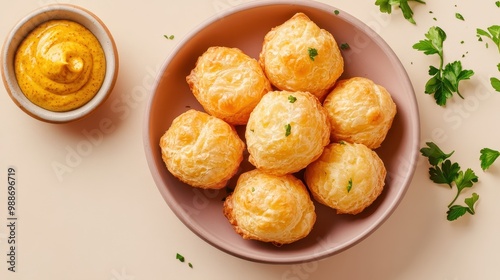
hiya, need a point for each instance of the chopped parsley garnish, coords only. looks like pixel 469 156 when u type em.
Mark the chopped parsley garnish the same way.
pixel 288 130
pixel 344 46
pixel 180 257
pixel 336 12
pixel 488 157
pixel 292 98
pixel 386 7
pixel 459 16
pixel 497 3
pixel 349 185
pixel 312 53
pixel 444 80
pixel 443 171
pixel 170 37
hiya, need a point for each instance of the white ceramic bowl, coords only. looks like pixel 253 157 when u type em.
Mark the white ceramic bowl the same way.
pixel 31 21
pixel 244 27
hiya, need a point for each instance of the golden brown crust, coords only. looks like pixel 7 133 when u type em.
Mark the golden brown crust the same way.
pixel 286 59
pixel 283 136
pixel 228 83
pixel 347 177
pixel 360 111
pixel 270 208
pixel 201 150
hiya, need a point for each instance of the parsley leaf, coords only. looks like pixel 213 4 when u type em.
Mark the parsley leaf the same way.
pixel 386 7
pixel 434 43
pixel 455 212
pixel 471 201
pixel 453 74
pixel 445 80
pixel 443 171
pixel 493 32
pixel 434 153
pixel 466 179
pixel 444 174
pixel 459 16
pixel 488 157
pixel 312 53
pixel 495 83
pixel 170 37
pixel 292 98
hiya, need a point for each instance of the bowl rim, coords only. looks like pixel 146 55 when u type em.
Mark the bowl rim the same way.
pixel 25 26
pixel 414 132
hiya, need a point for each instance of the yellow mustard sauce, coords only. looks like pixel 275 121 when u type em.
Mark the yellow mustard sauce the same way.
pixel 60 65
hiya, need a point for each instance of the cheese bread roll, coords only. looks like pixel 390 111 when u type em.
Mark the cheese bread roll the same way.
pixel 347 177
pixel 270 208
pixel 299 56
pixel 228 83
pixel 286 131
pixel 360 111
pixel 201 150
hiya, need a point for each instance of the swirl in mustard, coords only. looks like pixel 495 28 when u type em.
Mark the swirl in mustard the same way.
pixel 60 65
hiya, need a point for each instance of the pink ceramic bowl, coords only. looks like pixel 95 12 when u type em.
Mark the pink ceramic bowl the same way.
pixel 244 27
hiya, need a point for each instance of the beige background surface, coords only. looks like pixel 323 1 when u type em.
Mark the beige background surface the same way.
pixel 105 219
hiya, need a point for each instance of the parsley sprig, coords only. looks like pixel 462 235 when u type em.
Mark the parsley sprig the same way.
pixel 386 7
pixel 457 211
pixel 444 79
pixel 492 32
pixel 443 171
